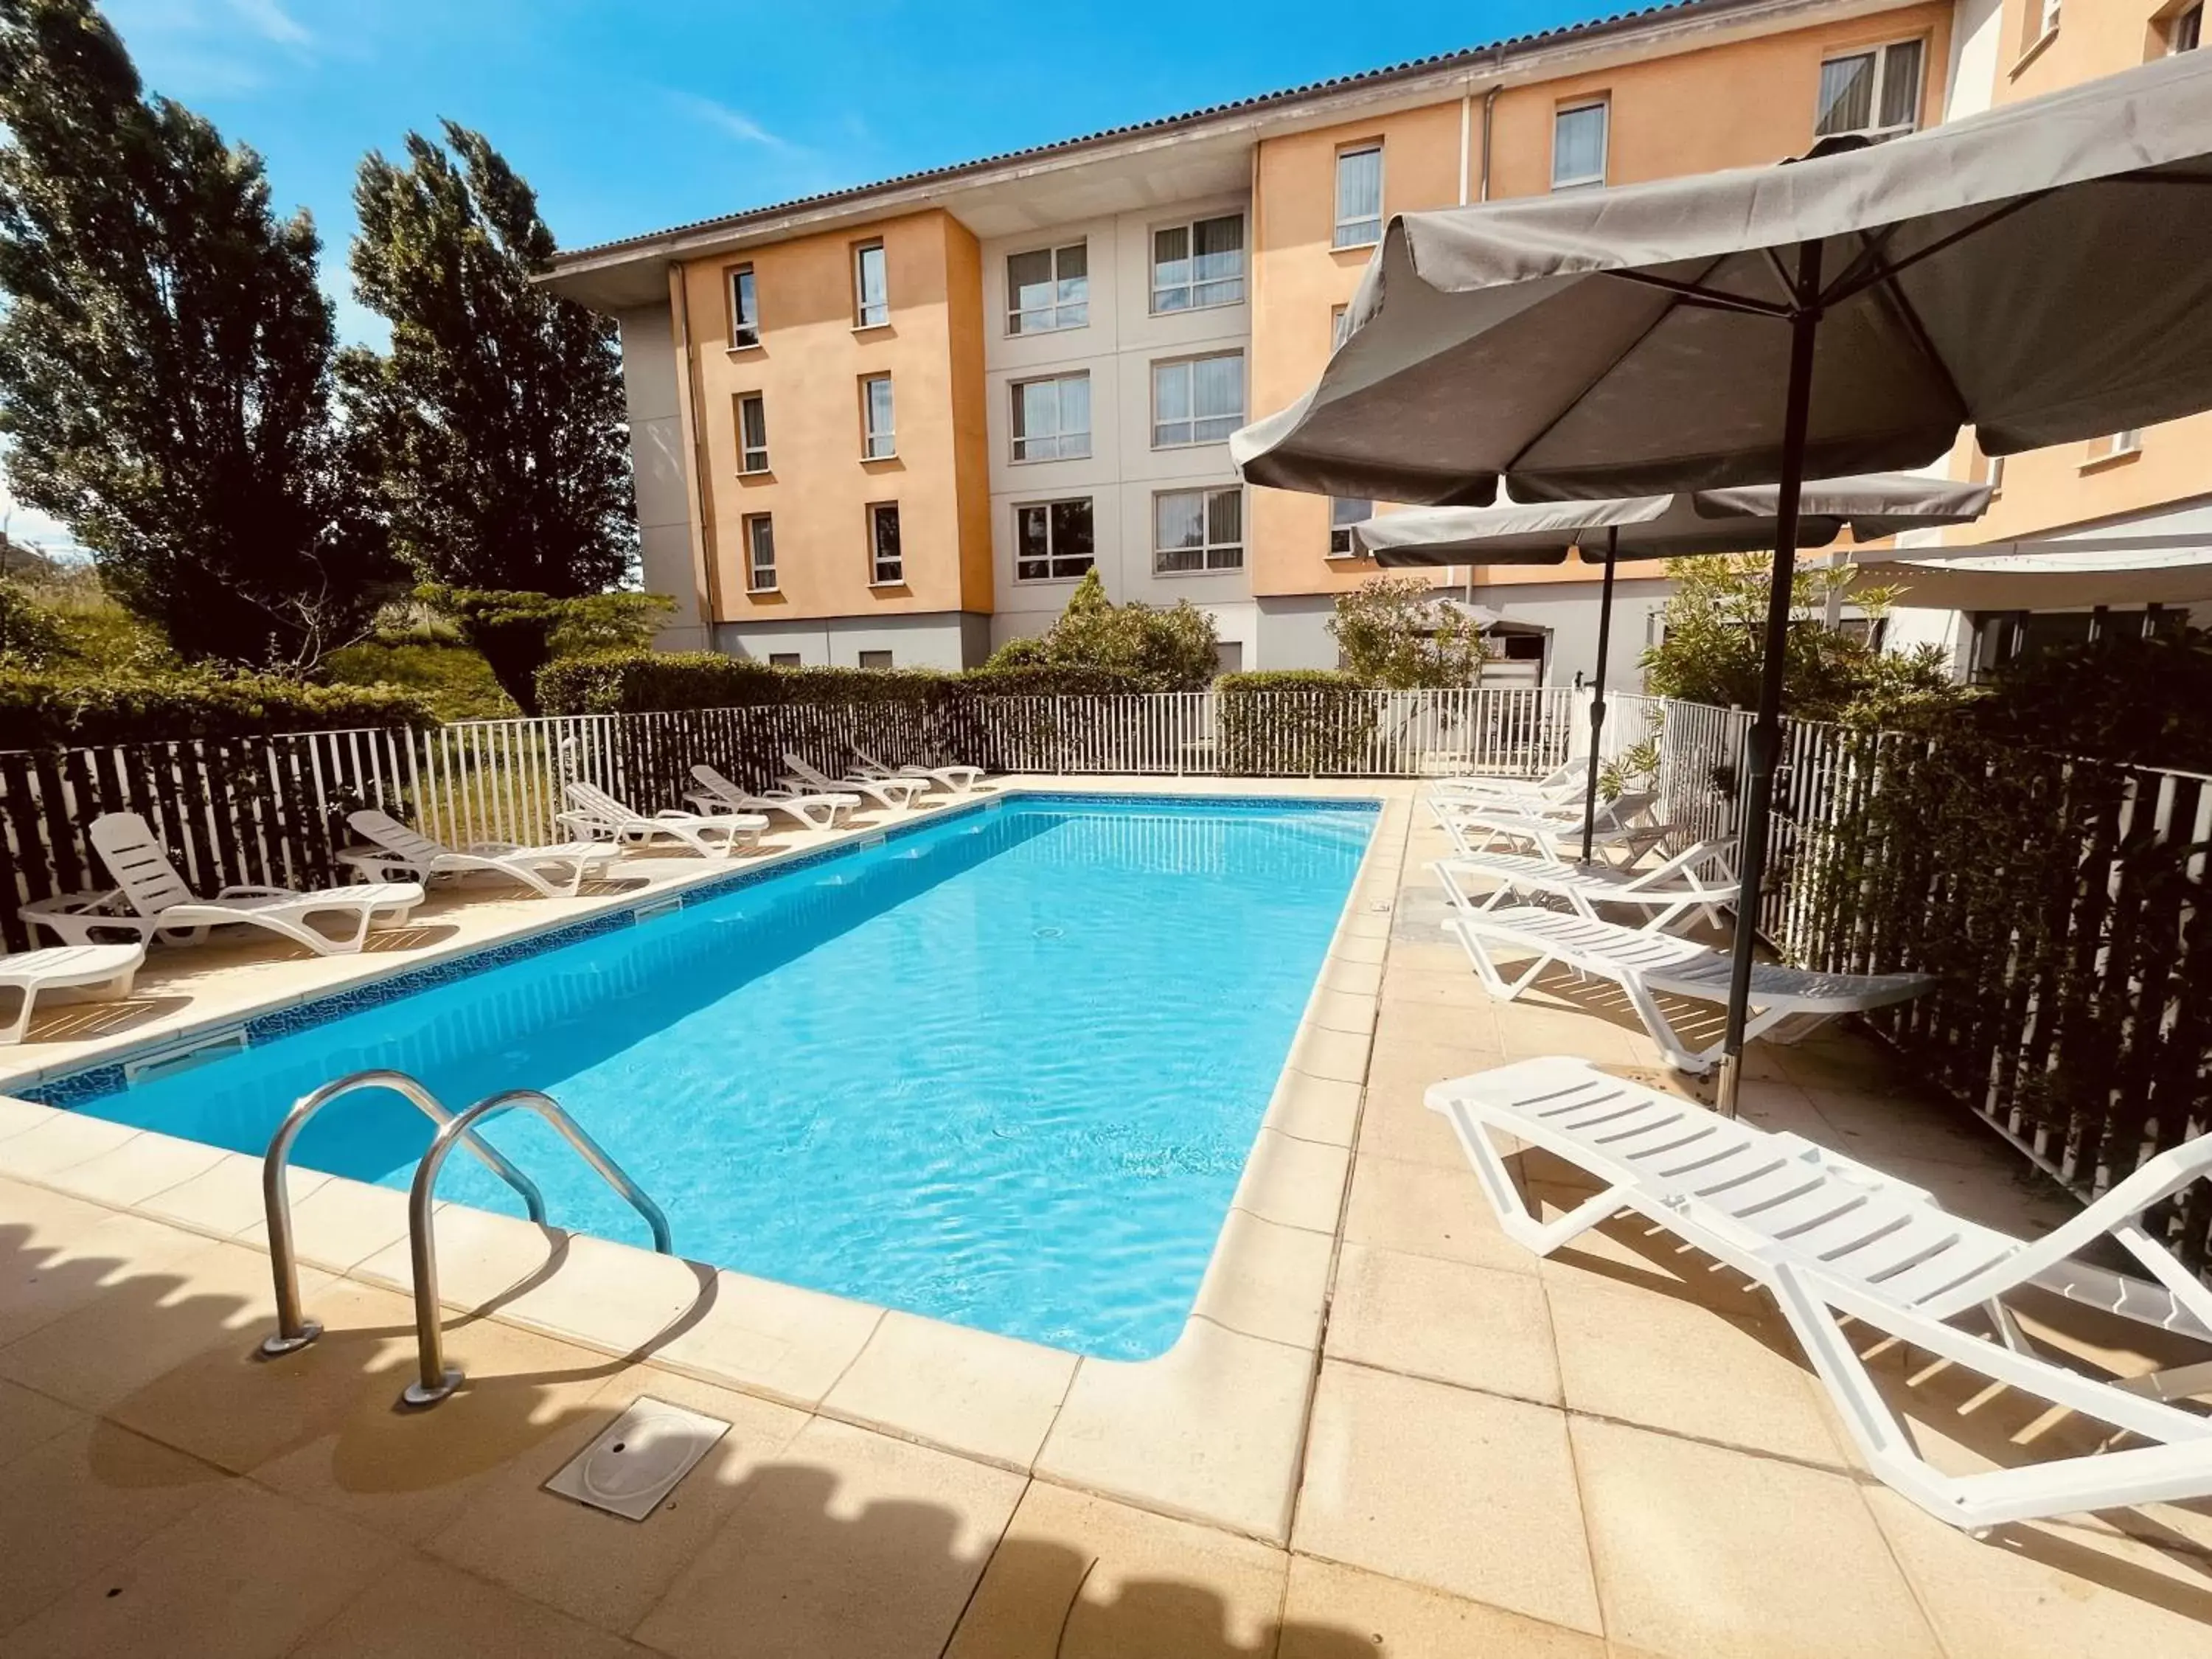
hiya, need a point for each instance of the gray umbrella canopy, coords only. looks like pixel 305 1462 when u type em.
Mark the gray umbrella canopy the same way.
pixel 2041 271
pixel 1741 520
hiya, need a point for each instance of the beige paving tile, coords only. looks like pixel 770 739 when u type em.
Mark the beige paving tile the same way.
pixel 1398 1123
pixel 771 1339
pixel 226 1198
pixel 1295 1183
pixel 1412 1478
pixel 1319 1052
pixel 420 1608
pixel 1451 987
pixel 1428 956
pixel 1643 1356
pixel 1878 1129
pixel 481 1257
pixel 1429 1211
pixel 63 1141
pixel 1210 1430
pixel 69 1256
pixel 1359 950
pixel 1267 1280
pixel 1541 1023
pixel 83 1499
pixel 18 1116
pixel 1314 1109
pixel 1470 1027
pixel 1078 1577
pixel 339 1224
pixel 1335 1612
pixel 1449 1320
pixel 28 1418
pixel 850 1543
pixel 144 1324
pixel 1341 1011
pixel 246 1574
pixel 1358 978
pixel 600 1567
pixel 967 1390
pixel 1715 1553
pixel 1628 1251
pixel 611 1295
pixel 2049 1591
pixel 144 1164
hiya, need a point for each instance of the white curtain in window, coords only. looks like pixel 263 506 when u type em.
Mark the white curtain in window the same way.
pixel 1217 397
pixel 1846 95
pixel 1224 518
pixel 1358 196
pixel 1179 519
pixel 1578 145
pixel 1900 85
pixel 1217 260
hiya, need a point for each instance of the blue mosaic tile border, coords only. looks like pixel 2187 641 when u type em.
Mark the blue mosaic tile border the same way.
pixel 73 1088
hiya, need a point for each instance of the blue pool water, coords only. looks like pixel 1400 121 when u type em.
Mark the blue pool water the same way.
pixel 1004 1069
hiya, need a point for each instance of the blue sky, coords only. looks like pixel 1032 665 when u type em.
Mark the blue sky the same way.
pixel 630 115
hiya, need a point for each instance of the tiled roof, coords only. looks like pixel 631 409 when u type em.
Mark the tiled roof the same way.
pixel 1411 67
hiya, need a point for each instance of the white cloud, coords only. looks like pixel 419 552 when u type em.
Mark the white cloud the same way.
pixel 268 18
pixel 734 123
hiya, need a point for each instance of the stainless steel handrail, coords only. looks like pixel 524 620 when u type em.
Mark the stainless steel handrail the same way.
pixel 435 1379
pixel 293 1330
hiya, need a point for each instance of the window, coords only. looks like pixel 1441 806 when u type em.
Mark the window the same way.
pixel 2128 442
pixel 2186 32
pixel 1197 400
pixel 1198 530
pixel 1988 470
pixel 1228 656
pixel 760 554
pixel 872 300
pixel 1049 289
pixel 1578 144
pixel 1198 265
pixel 2043 18
pixel 745 309
pixel 783 660
pixel 1052 541
pixel 1875 93
pixel 1342 515
pixel 875 660
pixel 1052 418
pixel 886 565
pixel 753 432
pixel 1359 196
pixel 878 441
pixel 1340 324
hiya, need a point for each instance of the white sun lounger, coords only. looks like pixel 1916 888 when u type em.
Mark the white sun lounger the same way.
pixel 151 900
pixel 1828 1236
pixel 816 811
pixel 892 795
pixel 954 779
pixel 104 971
pixel 1561 786
pixel 594 812
pixel 1555 833
pixel 1786 1003
pixel 402 850
pixel 1698 879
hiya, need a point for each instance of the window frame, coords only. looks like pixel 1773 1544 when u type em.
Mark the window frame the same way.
pixel 876 561
pixel 748 467
pixel 869 434
pixel 1017 438
pixel 889 661
pixel 2193 16
pixel 750 524
pixel 730 277
pixel 1015 312
pixel 1349 550
pixel 1051 558
pixel 1338 240
pixel 2114 447
pixel 1190 362
pixel 860 305
pixel 1879 50
pixel 787 659
pixel 1206 548
pixel 1339 325
pixel 1190 286
pixel 1602 102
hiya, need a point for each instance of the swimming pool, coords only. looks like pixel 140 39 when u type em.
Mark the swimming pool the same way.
pixel 1004 1067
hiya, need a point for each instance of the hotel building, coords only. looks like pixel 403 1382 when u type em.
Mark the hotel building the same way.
pixel 894 425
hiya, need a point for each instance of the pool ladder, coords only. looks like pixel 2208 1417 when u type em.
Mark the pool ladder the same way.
pixel 435 1379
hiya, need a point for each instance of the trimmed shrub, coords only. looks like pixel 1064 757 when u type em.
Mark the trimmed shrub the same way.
pixel 1290 720
pixel 641 682
pixel 43 710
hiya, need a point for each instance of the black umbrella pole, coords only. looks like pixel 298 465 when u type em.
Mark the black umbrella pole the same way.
pixel 1765 742
pixel 1597 692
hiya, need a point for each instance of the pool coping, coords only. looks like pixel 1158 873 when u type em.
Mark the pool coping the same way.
pixel 1211 1430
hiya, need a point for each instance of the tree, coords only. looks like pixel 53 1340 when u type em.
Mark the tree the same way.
pixel 519 632
pixel 165 358
pixel 1398 633
pixel 498 415
pixel 1164 649
pixel 1712 646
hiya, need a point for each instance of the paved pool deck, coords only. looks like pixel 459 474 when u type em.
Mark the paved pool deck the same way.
pixel 1389 1430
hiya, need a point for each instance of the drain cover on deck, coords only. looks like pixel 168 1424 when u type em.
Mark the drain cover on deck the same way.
pixel 629 1469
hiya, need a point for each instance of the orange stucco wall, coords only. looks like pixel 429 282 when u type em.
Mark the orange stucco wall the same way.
pixel 2093 38
pixel 1735 104
pixel 808 369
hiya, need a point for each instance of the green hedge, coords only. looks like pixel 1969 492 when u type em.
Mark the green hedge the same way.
pixel 1264 734
pixel 1288 679
pixel 639 682
pixel 40 709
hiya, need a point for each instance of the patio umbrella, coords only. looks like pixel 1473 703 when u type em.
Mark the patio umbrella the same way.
pixel 1690 522
pixel 2043 270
